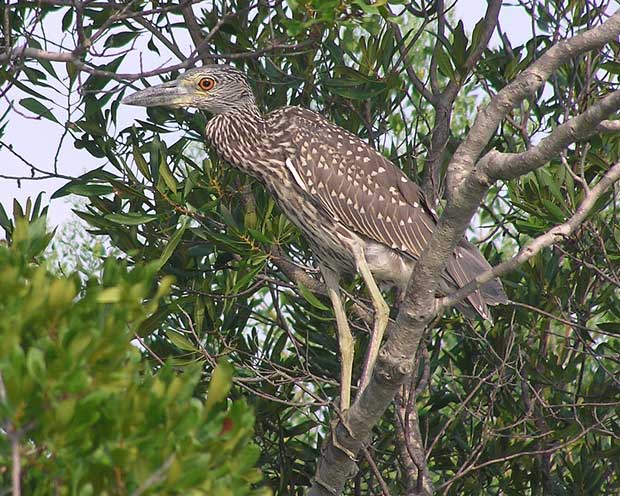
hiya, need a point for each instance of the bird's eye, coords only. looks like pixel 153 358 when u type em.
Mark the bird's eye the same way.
pixel 206 83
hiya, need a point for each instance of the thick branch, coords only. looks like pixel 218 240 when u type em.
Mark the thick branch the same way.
pixel 511 165
pixel 36 53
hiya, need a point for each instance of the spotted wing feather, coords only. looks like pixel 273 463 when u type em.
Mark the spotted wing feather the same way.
pixel 359 186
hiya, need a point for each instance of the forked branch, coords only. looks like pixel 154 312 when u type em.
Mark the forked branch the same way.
pixel 468 188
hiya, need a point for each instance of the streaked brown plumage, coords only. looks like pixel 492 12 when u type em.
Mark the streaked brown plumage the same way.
pixel 357 210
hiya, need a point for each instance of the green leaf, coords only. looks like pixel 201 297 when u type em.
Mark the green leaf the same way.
pixel 5 223
pixel 67 19
pixel 180 341
pixel 310 298
pixel 554 210
pixel 173 243
pixel 444 63
pixel 35 364
pixel 83 190
pixel 610 327
pixel 120 39
pixel 36 107
pixel 141 163
pixel 220 384
pixel 131 218
pixel 166 175
pixel 459 45
pixel 92 127
pixel 110 295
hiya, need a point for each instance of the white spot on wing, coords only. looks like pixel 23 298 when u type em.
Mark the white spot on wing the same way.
pixel 291 167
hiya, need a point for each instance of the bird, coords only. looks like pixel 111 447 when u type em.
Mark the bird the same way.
pixel 359 212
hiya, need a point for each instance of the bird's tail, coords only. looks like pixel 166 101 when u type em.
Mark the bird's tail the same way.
pixel 464 265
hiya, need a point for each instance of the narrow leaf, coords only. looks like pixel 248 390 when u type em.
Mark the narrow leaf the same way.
pixel 36 107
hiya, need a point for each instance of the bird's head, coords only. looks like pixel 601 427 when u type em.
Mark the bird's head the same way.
pixel 215 88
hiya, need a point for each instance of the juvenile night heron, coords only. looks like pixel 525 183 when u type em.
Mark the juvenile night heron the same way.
pixel 358 211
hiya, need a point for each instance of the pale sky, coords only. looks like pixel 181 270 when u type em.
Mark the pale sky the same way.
pixel 37 139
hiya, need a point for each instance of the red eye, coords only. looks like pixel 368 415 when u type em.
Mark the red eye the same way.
pixel 206 83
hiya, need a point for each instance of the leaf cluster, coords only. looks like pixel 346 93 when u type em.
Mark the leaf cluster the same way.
pixel 82 410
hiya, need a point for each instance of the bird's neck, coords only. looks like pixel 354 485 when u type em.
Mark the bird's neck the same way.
pixel 235 134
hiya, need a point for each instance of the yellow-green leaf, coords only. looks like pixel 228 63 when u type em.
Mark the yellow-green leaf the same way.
pixel 110 295
pixel 173 243
pixel 221 382
pixel 166 175
pixel 310 298
pixel 141 163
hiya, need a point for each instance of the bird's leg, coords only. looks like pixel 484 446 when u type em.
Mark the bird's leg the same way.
pixel 345 338
pixel 382 315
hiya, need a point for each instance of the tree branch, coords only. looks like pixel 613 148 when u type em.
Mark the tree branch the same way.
pixel 410 443
pixel 394 363
pixel 196 33
pixel 608 126
pixel 553 236
pixel 511 165
pixel 444 102
pixel 524 85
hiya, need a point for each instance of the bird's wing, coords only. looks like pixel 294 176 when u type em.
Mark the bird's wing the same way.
pixel 363 190
pixel 356 184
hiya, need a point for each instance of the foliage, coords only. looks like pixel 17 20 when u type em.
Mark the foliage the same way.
pixel 525 405
pixel 73 249
pixel 85 413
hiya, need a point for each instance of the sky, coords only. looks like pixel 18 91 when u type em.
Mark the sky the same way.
pixel 36 140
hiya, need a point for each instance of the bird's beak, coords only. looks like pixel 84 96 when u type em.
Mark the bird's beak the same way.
pixel 167 94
